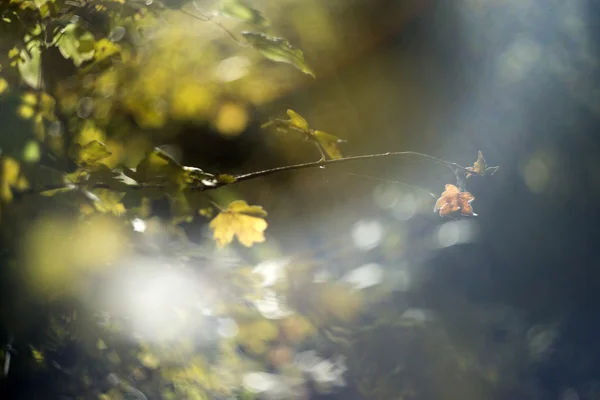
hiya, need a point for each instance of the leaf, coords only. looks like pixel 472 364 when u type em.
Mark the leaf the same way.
pixel 11 178
pixel 279 50
pixel 297 121
pixel 74 47
pixel 239 10
pixel 452 201
pixel 241 220
pixel 29 65
pixel 90 154
pixel 325 142
pixel 226 179
pixel 157 165
pixel 53 192
pixel 480 167
pixel 3 85
pixel 160 167
pixel 109 201
pixel 328 144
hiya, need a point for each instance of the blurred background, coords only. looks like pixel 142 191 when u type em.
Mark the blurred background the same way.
pixel 402 304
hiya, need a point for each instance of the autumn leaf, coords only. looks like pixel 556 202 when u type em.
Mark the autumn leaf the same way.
pixel 3 85
pixel 89 154
pixel 480 167
pixel 159 167
pixel 279 50
pixel 328 144
pixel 325 142
pixel 452 201
pixel 241 220
pixel 109 202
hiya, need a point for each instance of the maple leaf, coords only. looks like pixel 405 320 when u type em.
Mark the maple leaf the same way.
pixel 325 142
pixel 480 167
pixel 241 220
pixel 453 200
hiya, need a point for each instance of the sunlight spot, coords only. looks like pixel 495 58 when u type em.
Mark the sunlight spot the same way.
pixel 416 315
pixel 139 225
pixel 456 232
pixel 537 173
pixel 540 340
pixel 231 119
pixel 85 107
pixel 31 152
pixel 324 372
pixel 271 307
pixel 367 234
pixel 570 394
pixel 386 196
pixel 232 68
pixel 398 280
pixel 322 276
pixel 259 382
pixel 271 271
pixel 405 208
pixel 227 328
pixel 365 276
pixel 520 58
pixel 117 34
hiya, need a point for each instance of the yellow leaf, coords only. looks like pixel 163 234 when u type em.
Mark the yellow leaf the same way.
pixel 328 144
pixel 109 202
pixel 296 120
pixel 240 220
pixel 3 85
pixel 25 112
pixel 89 133
pixel 90 153
pixel 149 360
pixel 11 178
pixel 38 356
pixel 227 179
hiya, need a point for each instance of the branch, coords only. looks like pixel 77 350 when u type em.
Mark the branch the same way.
pixel 323 163
pixel 258 174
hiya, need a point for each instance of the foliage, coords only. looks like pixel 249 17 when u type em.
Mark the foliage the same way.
pixel 78 184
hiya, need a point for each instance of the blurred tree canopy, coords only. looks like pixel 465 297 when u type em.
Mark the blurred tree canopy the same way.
pixel 113 284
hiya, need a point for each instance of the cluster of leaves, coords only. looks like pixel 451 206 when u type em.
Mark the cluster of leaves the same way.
pixel 79 70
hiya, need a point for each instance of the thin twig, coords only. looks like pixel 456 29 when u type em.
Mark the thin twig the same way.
pixel 324 163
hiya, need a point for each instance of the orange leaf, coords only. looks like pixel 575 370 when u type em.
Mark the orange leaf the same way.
pixel 453 201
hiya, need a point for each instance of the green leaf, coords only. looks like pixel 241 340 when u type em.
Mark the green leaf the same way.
pixel 239 10
pixel 279 50
pixel 29 65
pixel 71 45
